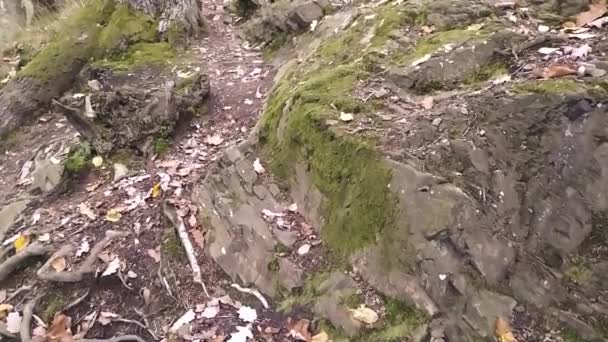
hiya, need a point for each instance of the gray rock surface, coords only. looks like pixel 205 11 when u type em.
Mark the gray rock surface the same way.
pixel 330 303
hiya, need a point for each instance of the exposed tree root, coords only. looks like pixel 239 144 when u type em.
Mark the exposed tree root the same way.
pixel 85 268
pixel 254 292
pixel 115 339
pixel 18 291
pixel 26 321
pixel 177 221
pixel 34 249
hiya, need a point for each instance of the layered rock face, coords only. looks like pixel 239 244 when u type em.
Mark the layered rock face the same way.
pixel 488 203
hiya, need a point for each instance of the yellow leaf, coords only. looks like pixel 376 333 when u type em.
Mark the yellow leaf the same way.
pixel 21 242
pixel 156 190
pixel 5 308
pixel 503 331
pixel 364 314
pixel 113 215
pixel 97 161
pixel 58 264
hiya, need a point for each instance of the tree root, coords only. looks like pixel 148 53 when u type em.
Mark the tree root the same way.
pixel 32 250
pixel 177 221
pixel 26 321
pixel 114 339
pixel 254 292
pixel 85 268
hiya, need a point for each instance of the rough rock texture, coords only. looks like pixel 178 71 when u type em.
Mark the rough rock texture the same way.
pixel 448 14
pixel 9 214
pixel 282 18
pixel 242 242
pixel 330 303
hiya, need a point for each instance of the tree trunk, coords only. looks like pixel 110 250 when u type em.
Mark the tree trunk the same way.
pixel 54 70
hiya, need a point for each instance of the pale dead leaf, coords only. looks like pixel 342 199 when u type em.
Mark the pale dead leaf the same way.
pixel 595 11
pixel 13 322
pixel 599 22
pixel 247 314
pixel 154 255
pixel 46 237
pixel 214 140
pixel 87 211
pixel 60 329
pixel 59 264
pixel 113 215
pixel 346 117
pixel 581 51
pixel 293 208
pixel 192 221
pixel 210 311
pixel 257 166
pixel 364 314
pixel 582 36
pixel 299 329
pixel 112 268
pixel 97 161
pixel 83 248
pixel 543 28
pixel 106 317
pixel 548 50
pixel 199 238
pixel 304 249
pixel 241 334
pixel 131 274
pixel 36 215
pixel 427 102
pixel 186 318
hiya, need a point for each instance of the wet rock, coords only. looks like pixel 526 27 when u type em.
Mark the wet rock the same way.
pixel 485 307
pixel 290 276
pixel 331 303
pixel 46 176
pixel 448 14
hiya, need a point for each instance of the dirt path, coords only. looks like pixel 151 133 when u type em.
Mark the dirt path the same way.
pixel 154 284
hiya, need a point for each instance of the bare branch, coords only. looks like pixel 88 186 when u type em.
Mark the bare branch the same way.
pixel 32 250
pixel 115 339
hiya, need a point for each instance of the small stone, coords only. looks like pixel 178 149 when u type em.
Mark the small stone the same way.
pixel 380 93
pixel 436 122
pixel 520 309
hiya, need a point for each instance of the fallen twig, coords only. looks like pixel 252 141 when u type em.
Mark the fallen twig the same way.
pixel 171 213
pixel 26 321
pixel 253 292
pixel 76 301
pixel 32 250
pixel 18 291
pixel 85 268
pixel 139 324
pixel 115 339
pixel 122 280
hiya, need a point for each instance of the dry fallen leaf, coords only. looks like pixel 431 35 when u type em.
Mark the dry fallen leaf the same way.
pixel 557 70
pixel 247 314
pixel 112 268
pixel 83 248
pixel 4 308
pixel 13 322
pixel 113 215
pixel 293 207
pixel 188 317
pixel 60 329
pixel 299 329
pixel 87 211
pixel 21 242
pixel 241 335
pixel 581 51
pixel 304 249
pixel 257 166
pixel 595 11
pixel 97 161
pixel 105 317
pixel 154 255
pixel 214 140
pixel 346 117
pixel 192 221
pixel 156 190
pixel 427 102
pixel 364 314
pixel 198 237
pixel 503 331
pixel 59 264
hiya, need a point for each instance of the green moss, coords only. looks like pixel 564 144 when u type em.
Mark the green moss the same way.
pixel 139 54
pixel 487 72
pixel 126 27
pixel 172 247
pixel 438 40
pixel 578 273
pixel 52 304
pixel 353 300
pixel 346 170
pixel 161 145
pixel 552 86
pixel 279 39
pixel 305 295
pixel 74 45
pixel 569 335
pixel 78 158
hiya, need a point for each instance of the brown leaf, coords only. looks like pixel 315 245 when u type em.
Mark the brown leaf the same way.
pixel 299 329
pixel 557 70
pixel 503 331
pixel 59 264
pixel 199 238
pixel 595 11
pixel 60 329
pixel 192 221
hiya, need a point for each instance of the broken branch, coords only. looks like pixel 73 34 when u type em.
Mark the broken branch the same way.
pixel 86 267
pixel 32 250
pixel 253 292
pixel 115 339
pixel 177 221
pixel 26 321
